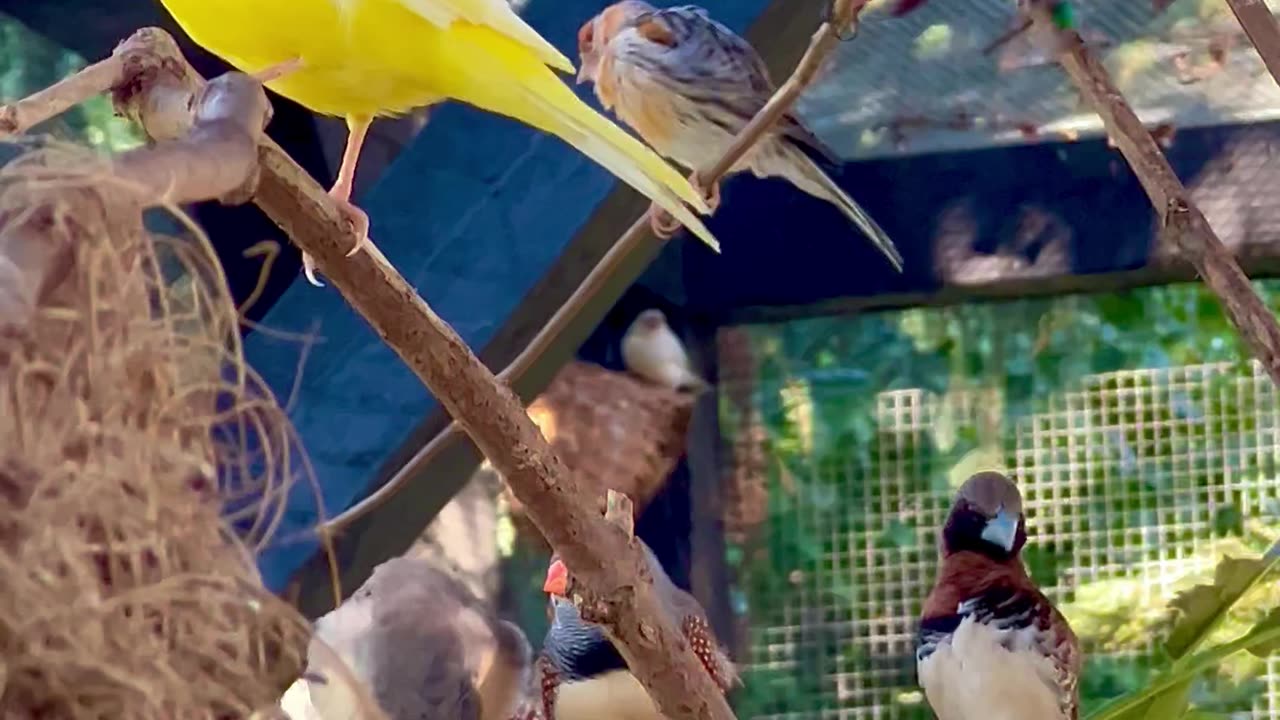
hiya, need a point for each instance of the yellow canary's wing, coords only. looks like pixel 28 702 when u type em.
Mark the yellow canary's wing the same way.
pixel 496 15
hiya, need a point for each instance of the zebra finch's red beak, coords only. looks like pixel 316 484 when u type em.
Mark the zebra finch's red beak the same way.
pixel 557 582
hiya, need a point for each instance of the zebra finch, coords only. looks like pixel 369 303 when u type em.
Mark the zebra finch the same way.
pixel 688 85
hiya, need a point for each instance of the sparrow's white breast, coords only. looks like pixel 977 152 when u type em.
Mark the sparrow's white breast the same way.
pixel 972 676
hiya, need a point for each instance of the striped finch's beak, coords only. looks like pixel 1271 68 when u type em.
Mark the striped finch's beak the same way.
pixel 586 71
pixel 1002 530
pixel 557 582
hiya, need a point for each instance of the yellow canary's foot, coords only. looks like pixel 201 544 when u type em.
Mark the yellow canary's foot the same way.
pixel 358 219
pixel 309 269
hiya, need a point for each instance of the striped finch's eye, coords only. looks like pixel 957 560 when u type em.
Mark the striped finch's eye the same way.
pixel 656 32
pixel 586 37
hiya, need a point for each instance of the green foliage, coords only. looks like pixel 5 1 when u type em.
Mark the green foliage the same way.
pixel 1199 611
pixel 1269 627
pixel 1203 608
pixel 850 461
pixel 29 62
pixel 1263 638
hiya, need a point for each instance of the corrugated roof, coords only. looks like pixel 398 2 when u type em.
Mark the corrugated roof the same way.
pixel 922 82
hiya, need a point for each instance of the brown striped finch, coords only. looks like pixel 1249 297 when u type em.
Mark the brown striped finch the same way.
pixel 688 85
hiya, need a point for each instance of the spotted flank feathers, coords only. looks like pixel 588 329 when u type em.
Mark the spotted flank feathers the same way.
pixel 709 653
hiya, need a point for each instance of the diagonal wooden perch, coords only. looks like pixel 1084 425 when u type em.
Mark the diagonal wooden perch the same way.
pixel 1185 227
pixel 607 563
pixel 843 15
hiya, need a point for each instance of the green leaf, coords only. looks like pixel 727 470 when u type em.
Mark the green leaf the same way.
pixel 1203 608
pixel 898 536
pixel 1168 705
pixel 1269 623
pixel 1265 635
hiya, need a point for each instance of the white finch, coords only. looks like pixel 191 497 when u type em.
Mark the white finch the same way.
pixel 688 85
pixel 652 351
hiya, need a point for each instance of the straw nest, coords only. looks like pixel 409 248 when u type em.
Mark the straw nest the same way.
pixel 129 424
pixel 613 431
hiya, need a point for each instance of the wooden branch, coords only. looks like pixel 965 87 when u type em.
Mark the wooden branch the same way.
pixel 604 560
pixel 1185 228
pixel 844 15
pixel 1263 31
pixel 606 563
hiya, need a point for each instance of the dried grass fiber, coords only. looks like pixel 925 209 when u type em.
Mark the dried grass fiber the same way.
pixel 128 423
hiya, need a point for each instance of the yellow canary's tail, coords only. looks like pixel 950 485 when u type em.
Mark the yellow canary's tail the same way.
pixel 528 91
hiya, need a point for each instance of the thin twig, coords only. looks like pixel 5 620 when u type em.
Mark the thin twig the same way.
pixel 216 158
pixel 843 16
pixel 1263 31
pixel 18 117
pixel 1185 227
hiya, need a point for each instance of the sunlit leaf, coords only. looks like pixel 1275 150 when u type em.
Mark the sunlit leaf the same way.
pixel 1265 635
pixel 1169 705
pixel 1269 624
pixel 1202 608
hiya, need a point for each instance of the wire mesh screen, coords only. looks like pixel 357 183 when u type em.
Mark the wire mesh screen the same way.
pixel 1136 482
pixel 926 82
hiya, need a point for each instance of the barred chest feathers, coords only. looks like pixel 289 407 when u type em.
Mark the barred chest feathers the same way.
pixel 989 671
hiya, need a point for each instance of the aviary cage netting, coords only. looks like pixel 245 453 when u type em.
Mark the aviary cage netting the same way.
pixel 1136 482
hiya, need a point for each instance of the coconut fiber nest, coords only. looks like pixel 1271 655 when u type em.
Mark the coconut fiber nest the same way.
pixel 128 424
pixel 613 431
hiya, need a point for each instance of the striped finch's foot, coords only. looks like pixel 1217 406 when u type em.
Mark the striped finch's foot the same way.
pixel 710 194
pixel 663 225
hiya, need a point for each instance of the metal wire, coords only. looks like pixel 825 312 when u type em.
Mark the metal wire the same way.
pixel 1128 479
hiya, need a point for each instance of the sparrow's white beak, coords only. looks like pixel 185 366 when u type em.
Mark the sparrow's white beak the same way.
pixel 1002 530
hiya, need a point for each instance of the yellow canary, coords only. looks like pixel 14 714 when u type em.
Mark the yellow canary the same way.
pixel 360 59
